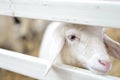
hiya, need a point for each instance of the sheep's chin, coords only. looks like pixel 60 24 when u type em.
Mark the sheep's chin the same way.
pixel 97 71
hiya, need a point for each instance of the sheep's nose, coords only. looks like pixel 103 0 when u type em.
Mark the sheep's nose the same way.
pixel 106 64
pixel 23 37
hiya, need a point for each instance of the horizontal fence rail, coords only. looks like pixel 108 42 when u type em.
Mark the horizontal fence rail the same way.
pixel 23 64
pixel 101 13
pixel 35 67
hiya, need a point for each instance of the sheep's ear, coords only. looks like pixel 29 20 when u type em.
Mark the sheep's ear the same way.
pixel 112 46
pixel 51 47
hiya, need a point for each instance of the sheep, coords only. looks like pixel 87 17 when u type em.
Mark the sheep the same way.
pixel 34 26
pixel 30 33
pixel 8 38
pixel 78 45
pixel 33 30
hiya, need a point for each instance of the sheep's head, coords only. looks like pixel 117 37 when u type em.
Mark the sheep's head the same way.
pixel 87 45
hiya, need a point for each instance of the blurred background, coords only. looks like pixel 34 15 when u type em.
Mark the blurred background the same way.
pixel 24 35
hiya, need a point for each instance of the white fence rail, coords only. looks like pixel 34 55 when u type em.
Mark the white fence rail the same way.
pixel 101 13
pixel 35 67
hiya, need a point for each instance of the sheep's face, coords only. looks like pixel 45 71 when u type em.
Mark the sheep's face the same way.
pixel 87 47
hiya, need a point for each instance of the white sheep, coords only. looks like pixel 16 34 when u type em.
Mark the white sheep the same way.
pixel 33 26
pixel 30 33
pixel 78 45
pixel 8 38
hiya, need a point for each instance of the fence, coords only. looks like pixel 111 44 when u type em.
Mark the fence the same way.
pixel 101 13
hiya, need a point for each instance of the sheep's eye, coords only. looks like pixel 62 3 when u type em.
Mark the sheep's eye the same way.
pixel 72 37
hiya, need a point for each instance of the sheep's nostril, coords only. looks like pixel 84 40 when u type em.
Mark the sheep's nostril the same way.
pixel 106 64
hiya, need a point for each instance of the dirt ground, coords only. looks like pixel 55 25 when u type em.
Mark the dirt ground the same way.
pixel 7 75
